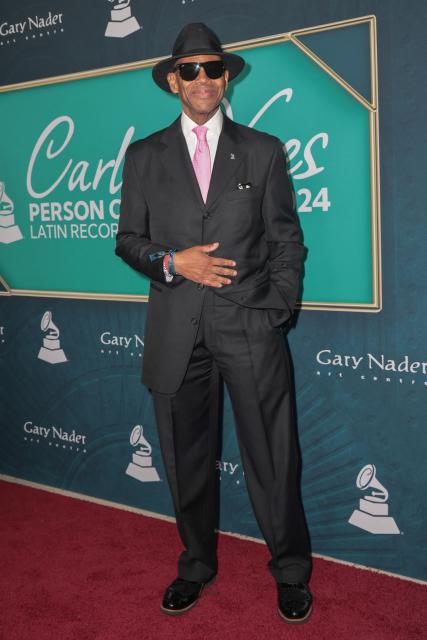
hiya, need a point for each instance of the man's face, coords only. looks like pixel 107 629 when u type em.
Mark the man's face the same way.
pixel 200 97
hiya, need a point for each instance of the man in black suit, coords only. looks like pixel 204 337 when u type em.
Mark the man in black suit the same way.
pixel 207 214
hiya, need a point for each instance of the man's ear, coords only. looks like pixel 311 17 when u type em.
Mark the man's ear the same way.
pixel 173 85
pixel 226 74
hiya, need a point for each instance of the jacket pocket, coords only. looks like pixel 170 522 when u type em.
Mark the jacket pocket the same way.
pixel 155 286
pixel 242 194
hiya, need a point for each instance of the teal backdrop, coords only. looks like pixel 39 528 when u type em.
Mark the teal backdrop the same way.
pixel 67 413
pixel 64 177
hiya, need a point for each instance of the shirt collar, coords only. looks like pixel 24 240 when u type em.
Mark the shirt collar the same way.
pixel 214 124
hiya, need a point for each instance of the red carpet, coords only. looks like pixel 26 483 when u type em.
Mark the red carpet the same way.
pixel 74 570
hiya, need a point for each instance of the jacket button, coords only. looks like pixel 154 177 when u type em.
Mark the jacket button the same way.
pixel 207 214
pixel 193 320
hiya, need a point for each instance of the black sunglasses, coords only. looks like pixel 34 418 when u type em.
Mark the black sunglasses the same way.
pixel 188 71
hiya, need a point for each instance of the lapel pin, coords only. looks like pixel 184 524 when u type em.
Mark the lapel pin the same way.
pixel 244 185
pixel 232 156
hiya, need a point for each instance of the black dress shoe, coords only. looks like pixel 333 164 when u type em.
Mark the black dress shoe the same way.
pixel 182 595
pixel 295 601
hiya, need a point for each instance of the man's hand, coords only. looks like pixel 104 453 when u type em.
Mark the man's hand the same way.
pixel 195 264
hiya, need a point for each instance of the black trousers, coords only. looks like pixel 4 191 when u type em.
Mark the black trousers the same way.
pixel 240 346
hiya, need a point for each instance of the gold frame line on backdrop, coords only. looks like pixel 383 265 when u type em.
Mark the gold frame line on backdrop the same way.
pixel 370 105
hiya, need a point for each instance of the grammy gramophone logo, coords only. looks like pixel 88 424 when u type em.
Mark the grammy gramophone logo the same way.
pixel 372 514
pixel 51 349
pixel 9 231
pixel 122 23
pixel 141 468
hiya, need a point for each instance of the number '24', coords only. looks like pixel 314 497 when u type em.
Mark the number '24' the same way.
pixel 321 200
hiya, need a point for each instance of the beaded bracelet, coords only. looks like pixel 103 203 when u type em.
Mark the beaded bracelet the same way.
pixel 171 266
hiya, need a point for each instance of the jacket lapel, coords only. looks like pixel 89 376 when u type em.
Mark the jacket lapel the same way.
pixel 177 163
pixel 228 157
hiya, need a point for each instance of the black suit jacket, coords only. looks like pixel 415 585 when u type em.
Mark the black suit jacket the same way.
pixel 162 208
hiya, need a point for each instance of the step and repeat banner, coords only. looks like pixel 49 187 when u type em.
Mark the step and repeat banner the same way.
pixel 72 314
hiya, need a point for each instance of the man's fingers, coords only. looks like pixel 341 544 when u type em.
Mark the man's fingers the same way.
pixel 225 272
pixel 209 247
pixel 216 281
pixel 223 262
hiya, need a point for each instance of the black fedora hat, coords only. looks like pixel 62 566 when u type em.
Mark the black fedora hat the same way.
pixel 196 39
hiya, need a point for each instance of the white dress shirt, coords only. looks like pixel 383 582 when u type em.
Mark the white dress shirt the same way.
pixel 214 126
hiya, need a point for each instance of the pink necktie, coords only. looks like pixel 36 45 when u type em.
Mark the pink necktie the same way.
pixel 202 160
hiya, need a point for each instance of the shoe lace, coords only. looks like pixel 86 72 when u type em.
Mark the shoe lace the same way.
pixel 293 592
pixel 184 587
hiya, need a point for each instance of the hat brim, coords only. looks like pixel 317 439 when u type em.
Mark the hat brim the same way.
pixel 233 63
